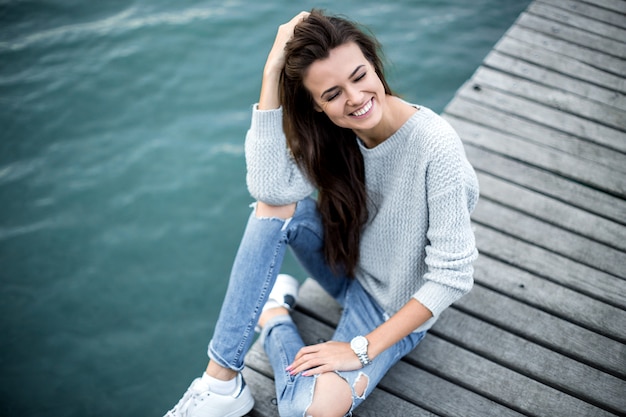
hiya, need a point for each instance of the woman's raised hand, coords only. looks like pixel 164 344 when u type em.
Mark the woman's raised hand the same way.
pixel 275 62
pixel 276 57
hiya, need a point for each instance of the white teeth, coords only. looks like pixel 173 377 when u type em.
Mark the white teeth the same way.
pixel 363 110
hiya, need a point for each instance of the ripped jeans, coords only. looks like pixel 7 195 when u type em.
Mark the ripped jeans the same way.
pixel 254 272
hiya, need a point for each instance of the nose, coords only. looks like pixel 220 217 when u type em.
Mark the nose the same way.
pixel 353 96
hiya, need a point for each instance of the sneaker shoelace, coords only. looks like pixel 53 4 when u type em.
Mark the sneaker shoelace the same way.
pixel 198 397
pixel 180 409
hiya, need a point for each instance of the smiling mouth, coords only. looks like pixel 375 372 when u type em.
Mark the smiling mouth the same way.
pixel 363 110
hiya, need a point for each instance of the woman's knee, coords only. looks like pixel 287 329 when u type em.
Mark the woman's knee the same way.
pixel 282 212
pixel 332 397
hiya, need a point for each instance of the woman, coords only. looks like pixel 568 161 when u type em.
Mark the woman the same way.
pixel 388 236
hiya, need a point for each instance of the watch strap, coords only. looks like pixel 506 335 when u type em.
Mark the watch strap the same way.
pixel 361 351
pixel 365 360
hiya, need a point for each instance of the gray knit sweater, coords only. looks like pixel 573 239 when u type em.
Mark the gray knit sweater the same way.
pixel 418 241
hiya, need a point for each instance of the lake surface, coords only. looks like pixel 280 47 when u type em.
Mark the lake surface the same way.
pixel 122 178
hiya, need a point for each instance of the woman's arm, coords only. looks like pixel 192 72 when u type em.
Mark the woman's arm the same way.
pixel 272 175
pixel 269 99
pixel 338 356
pixel 400 325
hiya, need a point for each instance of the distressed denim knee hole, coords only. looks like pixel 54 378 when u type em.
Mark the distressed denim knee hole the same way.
pixel 320 404
pixel 360 385
pixel 283 212
pixel 285 221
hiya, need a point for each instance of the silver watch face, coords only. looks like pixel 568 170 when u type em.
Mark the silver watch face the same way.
pixel 358 343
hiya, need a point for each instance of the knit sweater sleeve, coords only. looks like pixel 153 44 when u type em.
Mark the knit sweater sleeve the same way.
pixel 452 190
pixel 272 174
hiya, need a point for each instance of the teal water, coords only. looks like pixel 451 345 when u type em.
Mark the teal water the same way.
pixel 122 178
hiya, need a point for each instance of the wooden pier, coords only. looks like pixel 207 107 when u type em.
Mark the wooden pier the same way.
pixel 543 332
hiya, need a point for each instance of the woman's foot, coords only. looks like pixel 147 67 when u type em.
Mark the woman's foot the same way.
pixel 200 401
pixel 282 298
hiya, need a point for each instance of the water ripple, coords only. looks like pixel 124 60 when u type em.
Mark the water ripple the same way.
pixel 9 232
pixel 122 22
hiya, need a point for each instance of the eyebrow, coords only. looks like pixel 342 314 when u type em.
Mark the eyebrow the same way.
pixel 335 87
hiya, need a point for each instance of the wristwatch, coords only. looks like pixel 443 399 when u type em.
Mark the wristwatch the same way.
pixel 359 346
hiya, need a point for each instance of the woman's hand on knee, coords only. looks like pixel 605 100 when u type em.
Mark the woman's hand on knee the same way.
pixel 324 357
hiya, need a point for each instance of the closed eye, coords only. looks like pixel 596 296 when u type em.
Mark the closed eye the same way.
pixel 360 77
pixel 338 91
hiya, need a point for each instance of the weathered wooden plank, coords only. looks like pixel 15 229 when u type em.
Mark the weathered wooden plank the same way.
pixel 544 182
pixel 580 53
pixel 578 248
pixel 552 298
pixel 382 404
pixel 590 10
pixel 552 97
pixel 559 100
pixel 551 266
pixel 483 114
pixel 537 362
pixel 537 155
pixel 411 382
pixel 581 37
pixel 618 6
pixel 546 330
pixel 561 63
pixel 491 379
pixel 553 211
pixel 576 20
pixel 263 391
pixel 505 63
pixel 546 115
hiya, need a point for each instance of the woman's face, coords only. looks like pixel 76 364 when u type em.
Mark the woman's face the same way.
pixel 346 87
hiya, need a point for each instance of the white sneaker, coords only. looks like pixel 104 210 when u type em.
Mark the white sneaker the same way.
pixel 198 401
pixel 284 293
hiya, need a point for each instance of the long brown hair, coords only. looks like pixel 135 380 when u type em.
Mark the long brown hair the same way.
pixel 328 154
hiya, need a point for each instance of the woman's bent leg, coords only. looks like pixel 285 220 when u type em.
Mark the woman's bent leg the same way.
pixel 254 272
pixel 256 265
